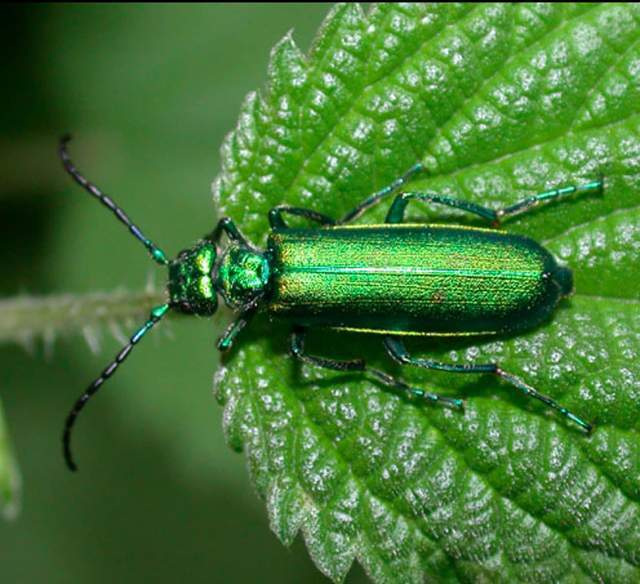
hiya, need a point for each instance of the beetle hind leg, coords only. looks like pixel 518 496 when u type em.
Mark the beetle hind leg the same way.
pixel 398 352
pixel 399 205
pixel 412 393
pixel 559 193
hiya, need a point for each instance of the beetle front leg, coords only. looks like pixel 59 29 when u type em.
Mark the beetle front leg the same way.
pixel 412 393
pixel 227 226
pixel 399 205
pixel 226 340
pixel 399 353
pixel 277 222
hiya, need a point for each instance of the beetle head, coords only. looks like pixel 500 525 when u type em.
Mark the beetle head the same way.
pixel 191 289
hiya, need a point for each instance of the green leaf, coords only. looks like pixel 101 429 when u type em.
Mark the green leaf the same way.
pixel 500 101
pixel 9 476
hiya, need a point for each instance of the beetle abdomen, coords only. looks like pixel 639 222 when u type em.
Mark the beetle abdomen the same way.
pixel 413 279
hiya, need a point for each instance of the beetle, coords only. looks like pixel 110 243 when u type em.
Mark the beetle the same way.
pixel 395 279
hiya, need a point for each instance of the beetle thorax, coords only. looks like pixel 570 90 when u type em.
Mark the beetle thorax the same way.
pixel 242 276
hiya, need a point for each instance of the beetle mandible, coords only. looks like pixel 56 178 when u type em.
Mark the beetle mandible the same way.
pixel 395 279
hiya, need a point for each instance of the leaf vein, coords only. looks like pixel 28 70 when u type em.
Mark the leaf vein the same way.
pixel 598 83
pixel 363 90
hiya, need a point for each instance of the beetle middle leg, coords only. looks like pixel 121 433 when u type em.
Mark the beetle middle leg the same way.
pixel 276 219
pixel 399 205
pixel 413 393
pixel 396 348
pixel 376 197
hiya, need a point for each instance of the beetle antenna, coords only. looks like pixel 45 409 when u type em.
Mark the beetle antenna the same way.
pixel 156 253
pixel 156 315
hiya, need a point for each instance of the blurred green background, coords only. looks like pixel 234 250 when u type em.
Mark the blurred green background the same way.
pixel 149 92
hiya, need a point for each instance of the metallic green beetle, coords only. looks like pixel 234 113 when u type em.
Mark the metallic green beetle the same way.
pixel 395 279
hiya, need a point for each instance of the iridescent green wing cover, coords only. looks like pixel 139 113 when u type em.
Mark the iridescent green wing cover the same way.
pixel 412 279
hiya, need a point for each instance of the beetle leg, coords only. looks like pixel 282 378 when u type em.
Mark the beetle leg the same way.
pixel 399 205
pixel 396 348
pixel 413 393
pixel 530 202
pixel 226 225
pixel 277 222
pixel 226 340
pixel 297 350
pixel 382 193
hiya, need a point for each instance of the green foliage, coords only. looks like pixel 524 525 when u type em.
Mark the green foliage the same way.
pixel 499 101
pixel 148 91
pixel 9 477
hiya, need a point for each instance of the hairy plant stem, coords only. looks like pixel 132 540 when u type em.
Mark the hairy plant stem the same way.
pixel 27 318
